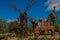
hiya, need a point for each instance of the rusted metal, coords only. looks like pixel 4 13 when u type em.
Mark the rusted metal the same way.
pixel 35 28
pixel 23 18
pixel 48 27
pixel 34 23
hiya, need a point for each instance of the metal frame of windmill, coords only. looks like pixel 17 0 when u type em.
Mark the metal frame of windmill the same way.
pixel 23 18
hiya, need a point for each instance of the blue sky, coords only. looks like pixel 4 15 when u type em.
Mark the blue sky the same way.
pixel 38 10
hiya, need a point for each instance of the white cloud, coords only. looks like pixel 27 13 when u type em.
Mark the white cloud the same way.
pixel 51 3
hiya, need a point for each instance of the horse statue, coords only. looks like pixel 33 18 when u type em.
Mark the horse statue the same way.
pixel 46 25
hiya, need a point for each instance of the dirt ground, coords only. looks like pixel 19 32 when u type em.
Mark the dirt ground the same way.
pixel 41 36
pixel 12 38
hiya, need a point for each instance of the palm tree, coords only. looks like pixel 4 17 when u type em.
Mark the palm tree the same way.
pixel 53 17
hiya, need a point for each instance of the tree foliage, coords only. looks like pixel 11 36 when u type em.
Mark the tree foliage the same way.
pixel 14 27
pixel 3 26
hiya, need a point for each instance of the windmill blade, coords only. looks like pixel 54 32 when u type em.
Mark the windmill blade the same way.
pixel 31 3
pixel 14 7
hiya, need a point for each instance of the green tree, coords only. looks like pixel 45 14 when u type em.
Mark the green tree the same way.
pixel 3 26
pixel 30 29
pixel 54 17
pixel 14 27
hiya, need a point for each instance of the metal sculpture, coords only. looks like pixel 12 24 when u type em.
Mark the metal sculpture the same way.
pixel 23 18
pixel 46 25
pixel 34 23
pixel 35 28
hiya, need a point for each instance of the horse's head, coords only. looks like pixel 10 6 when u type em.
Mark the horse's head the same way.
pixel 33 21
pixel 53 16
pixel 41 20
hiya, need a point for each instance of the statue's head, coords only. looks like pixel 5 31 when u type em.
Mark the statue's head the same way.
pixel 41 19
pixel 36 22
pixel 52 16
pixel 33 21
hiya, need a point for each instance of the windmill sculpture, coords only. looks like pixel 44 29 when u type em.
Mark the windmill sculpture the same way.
pixel 23 18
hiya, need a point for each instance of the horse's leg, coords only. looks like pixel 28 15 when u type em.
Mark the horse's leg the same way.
pixel 52 32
